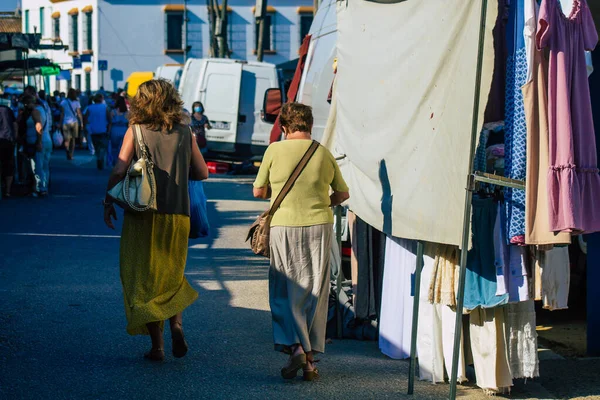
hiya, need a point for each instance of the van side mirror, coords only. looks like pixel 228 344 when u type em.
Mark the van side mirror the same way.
pixel 272 104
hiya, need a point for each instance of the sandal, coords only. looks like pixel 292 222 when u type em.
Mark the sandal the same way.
pixel 310 375
pixel 297 362
pixel 180 346
pixel 155 355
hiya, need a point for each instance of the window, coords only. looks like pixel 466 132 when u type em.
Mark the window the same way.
pixel 74 33
pixel 78 82
pixel 26 21
pixel 87 31
pixel 174 31
pixel 56 23
pixel 305 23
pixel 42 31
pixel 88 82
pixel 267 42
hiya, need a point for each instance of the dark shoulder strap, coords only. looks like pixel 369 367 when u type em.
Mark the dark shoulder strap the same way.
pixel 292 179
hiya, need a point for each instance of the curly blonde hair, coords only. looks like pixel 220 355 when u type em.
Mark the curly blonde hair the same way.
pixel 157 105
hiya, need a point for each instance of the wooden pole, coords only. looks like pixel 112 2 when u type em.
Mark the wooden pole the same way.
pixel 260 51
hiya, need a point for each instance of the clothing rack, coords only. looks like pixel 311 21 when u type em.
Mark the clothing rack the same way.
pixel 472 179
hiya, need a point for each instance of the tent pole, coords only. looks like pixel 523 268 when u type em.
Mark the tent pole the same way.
pixel 468 198
pixel 340 274
pixel 415 319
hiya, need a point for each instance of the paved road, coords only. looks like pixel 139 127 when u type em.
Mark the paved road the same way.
pixel 62 324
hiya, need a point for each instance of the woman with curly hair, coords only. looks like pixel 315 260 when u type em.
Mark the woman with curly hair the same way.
pixel 154 244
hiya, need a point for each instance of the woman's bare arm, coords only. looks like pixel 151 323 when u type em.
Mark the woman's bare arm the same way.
pixel 338 198
pixel 262 193
pixel 125 157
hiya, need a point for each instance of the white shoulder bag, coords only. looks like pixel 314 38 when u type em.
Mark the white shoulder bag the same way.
pixel 137 191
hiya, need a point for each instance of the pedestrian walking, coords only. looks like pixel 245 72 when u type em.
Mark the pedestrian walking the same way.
pixel 154 244
pixel 72 121
pixel 301 234
pixel 99 121
pixel 38 144
pixel 8 135
pixel 199 124
pixel 119 127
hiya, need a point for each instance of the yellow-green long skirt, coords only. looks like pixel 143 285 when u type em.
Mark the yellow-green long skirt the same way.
pixel 153 255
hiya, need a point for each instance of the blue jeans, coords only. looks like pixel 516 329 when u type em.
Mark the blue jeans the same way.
pixel 40 165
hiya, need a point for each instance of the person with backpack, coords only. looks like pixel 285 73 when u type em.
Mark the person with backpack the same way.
pixel 72 120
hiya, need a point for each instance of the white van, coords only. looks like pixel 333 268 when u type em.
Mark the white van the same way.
pixel 170 72
pixel 318 75
pixel 233 94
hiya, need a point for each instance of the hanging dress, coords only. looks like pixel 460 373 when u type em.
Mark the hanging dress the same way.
pixel 515 125
pixel 573 179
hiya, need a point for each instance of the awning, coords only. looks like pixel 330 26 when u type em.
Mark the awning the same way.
pixel 87 9
pixel 30 65
pixel 19 41
pixel 55 15
pixel 73 11
pixel 64 76
pixel 270 9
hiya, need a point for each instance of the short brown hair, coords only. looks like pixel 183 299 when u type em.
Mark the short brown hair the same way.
pixel 157 105
pixel 296 117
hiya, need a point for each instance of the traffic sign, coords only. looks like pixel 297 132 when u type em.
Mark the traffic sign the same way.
pixel 76 62
pixel 102 65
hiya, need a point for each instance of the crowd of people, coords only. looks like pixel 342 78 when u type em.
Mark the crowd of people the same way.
pixel 35 123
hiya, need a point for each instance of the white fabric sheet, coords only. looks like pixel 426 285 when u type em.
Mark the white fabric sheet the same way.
pixel 395 320
pixel 405 89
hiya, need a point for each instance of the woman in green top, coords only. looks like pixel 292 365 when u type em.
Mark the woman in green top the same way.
pixel 301 235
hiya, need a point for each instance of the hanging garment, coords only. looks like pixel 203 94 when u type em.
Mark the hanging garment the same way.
pixel 368 245
pixel 488 345
pixel 552 278
pixel 537 224
pixel 435 338
pixel 573 179
pixel 521 337
pixel 515 127
pixel 494 110
pixel 397 303
pixel 444 274
pixel 480 284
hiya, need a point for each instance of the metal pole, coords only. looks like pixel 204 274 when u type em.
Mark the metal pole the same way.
pixel 340 275
pixel 185 31
pixel 468 198
pixel 415 320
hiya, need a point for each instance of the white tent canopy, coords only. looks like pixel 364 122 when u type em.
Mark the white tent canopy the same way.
pixel 405 89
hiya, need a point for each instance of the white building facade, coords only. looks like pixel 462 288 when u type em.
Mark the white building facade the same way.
pixel 140 35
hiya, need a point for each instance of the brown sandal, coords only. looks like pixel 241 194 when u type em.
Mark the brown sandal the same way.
pixel 155 355
pixel 297 363
pixel 310 375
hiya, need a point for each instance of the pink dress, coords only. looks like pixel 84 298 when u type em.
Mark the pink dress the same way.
pixel 573 179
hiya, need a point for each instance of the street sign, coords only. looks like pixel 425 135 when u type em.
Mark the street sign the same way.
pixel 76 62
pixel 102 65
pixel 86 58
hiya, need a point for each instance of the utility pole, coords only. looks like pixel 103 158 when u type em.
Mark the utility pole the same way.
pixel 260 14
pixel 185 32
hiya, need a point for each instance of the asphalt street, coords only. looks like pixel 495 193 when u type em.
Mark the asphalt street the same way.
pixel 62 322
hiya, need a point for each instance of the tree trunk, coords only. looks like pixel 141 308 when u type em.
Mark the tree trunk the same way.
pixel 222 31
pixel 260 48
pixel 211 28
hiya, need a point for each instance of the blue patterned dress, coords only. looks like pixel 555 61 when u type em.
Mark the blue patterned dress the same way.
pixel 515 124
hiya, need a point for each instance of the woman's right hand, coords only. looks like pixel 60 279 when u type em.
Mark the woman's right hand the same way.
pixel 109 214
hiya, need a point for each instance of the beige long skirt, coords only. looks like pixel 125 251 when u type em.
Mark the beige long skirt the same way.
pixel 299 284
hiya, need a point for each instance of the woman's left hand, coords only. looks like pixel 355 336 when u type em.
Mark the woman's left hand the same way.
pixel 109 214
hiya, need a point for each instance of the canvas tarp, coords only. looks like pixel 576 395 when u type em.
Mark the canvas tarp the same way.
pixel 405 89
